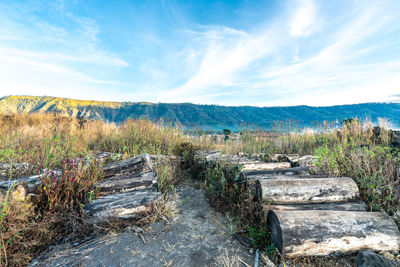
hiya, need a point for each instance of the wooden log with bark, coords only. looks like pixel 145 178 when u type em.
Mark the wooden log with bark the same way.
pixel 263 166
pixel 321 232
pixel 31 181
pixel 128 183
pixel 357 205
pixel 255 175
pixel 142 163
pixel 306 190
pixel 120 206
pixel 283 157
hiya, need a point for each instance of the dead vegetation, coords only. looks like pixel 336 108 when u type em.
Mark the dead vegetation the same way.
pixel 54 142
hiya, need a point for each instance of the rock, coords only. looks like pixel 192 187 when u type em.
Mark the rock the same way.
pixel 370 259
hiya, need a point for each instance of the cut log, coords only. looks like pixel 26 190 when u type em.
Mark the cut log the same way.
pixel 31 181
pixel 134 165
pixel 128 183
pixel 283 157
pixel 307 161
pixel 120 206
pixel 307 190
pixel 349 206
pixel 263 166
pixel 321 232
pixel 248 175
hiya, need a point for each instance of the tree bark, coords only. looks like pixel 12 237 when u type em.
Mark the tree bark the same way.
pixel 120 206
pixel 142 163
pixel 307 190
pixel 321 232
pixel 263 166
pixel 348 206
pixel 265 174
pixel 128 183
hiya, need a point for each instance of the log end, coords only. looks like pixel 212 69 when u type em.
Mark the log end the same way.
pixel 276 230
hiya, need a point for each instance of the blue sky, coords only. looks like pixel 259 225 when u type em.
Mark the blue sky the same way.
pixel 252 52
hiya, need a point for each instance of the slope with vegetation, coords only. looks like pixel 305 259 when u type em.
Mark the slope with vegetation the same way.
pixel 212 117
pixel 51 141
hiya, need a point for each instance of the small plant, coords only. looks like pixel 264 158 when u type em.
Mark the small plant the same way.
pixel 168 174
pixel 70 187
pixel 259 237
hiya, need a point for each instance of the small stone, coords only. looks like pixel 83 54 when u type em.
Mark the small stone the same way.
pixel 251 251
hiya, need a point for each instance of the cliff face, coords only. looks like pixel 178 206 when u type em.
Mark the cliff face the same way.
pixel 201 116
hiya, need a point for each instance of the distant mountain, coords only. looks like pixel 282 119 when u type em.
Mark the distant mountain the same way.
pixel 211 117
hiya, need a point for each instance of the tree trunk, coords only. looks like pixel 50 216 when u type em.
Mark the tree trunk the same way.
pixel 321 232
pixel 265 174
pixel 307 190
pixel 134 165
pixel 120 206
pixel 348 206
pixel 128 183
pixel 263 166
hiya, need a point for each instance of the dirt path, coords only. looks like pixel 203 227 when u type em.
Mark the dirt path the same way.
pixel 198 236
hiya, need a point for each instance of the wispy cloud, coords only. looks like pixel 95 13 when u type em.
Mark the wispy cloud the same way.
pixel 303 19
pixel 45 58
pixel 299 52
pixel 257 68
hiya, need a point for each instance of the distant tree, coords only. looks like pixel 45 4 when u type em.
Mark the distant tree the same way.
pixel 81 121
pixel 349 121
pixel 226 132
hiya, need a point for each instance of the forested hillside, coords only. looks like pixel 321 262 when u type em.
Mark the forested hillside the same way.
pixel 211 117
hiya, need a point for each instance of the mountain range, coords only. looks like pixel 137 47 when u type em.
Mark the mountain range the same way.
pixel 211 117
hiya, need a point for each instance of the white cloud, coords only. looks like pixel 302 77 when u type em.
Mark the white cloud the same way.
pixel 226 53
pixel 266 64
pixel 303 18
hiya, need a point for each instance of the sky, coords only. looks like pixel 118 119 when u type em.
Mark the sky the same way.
pixel 251 52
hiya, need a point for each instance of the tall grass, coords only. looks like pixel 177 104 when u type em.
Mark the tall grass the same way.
pixel 51 141
pixel 63 146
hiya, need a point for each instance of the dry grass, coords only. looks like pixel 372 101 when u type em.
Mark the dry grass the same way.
pixel 56 142
pixel 163 210
pixel 227 260
pixel 44 140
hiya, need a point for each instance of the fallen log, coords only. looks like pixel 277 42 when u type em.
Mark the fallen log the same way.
pixel 142 163
pixel 30 180
pixel 306 190
pixel 263 166
pixel 306 160
pixel 249 175
pixel 128 183
pixel 120 206
pixel 283 157
pixel 321 232
pixel 348 206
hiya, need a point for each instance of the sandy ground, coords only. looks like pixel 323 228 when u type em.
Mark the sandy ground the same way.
pixel 198 236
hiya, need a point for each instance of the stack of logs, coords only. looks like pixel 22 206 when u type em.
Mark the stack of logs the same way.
pixel 310 215
pixel 128 190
